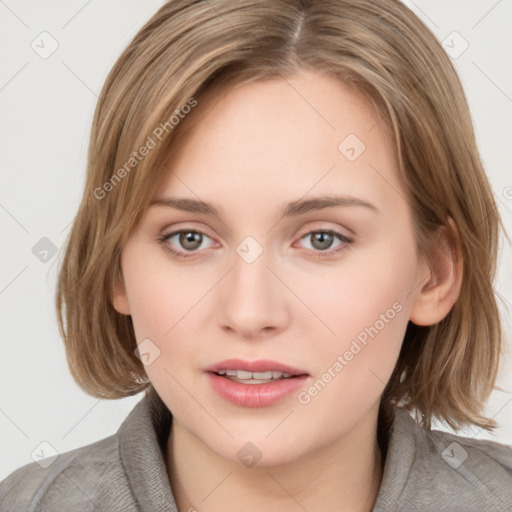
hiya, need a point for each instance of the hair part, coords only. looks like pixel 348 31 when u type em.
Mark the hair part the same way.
pixel 189 48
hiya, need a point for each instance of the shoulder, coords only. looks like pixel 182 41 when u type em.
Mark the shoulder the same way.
pixel 437 470
pixel 477 471
pixel 80 479
pixel 474 452
pixel 467 455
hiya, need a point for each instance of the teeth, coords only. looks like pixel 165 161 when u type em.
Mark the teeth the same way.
pixel 244 375
pixel 263 375
pixel 241 374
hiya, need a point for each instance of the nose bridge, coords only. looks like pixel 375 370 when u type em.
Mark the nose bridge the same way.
pixel 252 298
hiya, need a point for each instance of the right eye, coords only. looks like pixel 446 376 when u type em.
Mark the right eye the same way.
pixel 190 240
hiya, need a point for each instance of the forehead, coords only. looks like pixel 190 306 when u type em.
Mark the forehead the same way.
pixel 282 139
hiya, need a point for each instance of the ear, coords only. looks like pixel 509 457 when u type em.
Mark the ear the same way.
pixel 435 298
pixel 120 298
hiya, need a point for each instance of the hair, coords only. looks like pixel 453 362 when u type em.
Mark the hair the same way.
pixel 445 371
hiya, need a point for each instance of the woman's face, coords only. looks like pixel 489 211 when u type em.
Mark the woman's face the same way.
pixel 279 275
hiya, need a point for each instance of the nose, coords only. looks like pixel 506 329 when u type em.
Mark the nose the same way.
pixel 252 301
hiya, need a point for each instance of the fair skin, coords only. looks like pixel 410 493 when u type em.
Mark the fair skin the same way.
pixel 257 148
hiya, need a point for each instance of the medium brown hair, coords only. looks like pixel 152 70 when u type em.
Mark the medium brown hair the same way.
pixel 188 47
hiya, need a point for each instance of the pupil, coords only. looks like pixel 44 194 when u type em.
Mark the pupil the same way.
pixel 192 238
pixel 325 240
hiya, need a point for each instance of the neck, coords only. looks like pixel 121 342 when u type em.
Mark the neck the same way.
pixel 343 476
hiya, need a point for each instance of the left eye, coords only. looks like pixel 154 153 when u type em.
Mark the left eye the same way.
pixel 322 243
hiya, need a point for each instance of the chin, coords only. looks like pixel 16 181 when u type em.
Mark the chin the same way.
pixel 257 450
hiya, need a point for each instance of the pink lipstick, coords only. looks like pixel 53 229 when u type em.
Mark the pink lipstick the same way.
pixel 254 383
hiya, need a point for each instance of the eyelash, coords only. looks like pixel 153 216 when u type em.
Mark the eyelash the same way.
pixel 323 254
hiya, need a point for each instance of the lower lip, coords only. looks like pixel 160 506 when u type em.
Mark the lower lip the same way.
pixel 255 395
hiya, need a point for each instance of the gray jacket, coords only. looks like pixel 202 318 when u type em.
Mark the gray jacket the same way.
pixel 126 472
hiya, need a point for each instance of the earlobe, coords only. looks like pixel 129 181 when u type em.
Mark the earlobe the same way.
pixel 120 299
pixel 435 298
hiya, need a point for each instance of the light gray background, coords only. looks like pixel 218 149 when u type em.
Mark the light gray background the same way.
pixel 46 109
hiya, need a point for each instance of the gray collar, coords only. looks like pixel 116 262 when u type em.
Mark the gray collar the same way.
pixel 143 458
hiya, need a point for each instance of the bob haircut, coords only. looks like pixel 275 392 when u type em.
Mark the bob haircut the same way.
pixel 445 371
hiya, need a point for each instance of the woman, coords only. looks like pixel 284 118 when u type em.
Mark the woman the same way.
pixel 286 238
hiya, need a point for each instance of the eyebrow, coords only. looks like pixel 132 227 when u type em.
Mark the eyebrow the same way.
pixel 292 209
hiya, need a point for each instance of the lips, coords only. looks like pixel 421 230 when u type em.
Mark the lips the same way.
pixel 245 389
pixel 260 366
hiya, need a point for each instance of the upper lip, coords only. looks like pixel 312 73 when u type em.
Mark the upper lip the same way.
pixel 261 365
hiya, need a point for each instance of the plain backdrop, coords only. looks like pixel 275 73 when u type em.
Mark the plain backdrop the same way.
pixel 46 109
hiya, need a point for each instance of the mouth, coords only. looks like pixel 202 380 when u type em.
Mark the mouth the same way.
pixel 255 383
pixel 245 377
pixel 261 371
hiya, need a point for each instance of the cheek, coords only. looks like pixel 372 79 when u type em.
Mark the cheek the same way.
pixel 365 307
pixel 165 302
pixel 352 294
pixel 161 293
